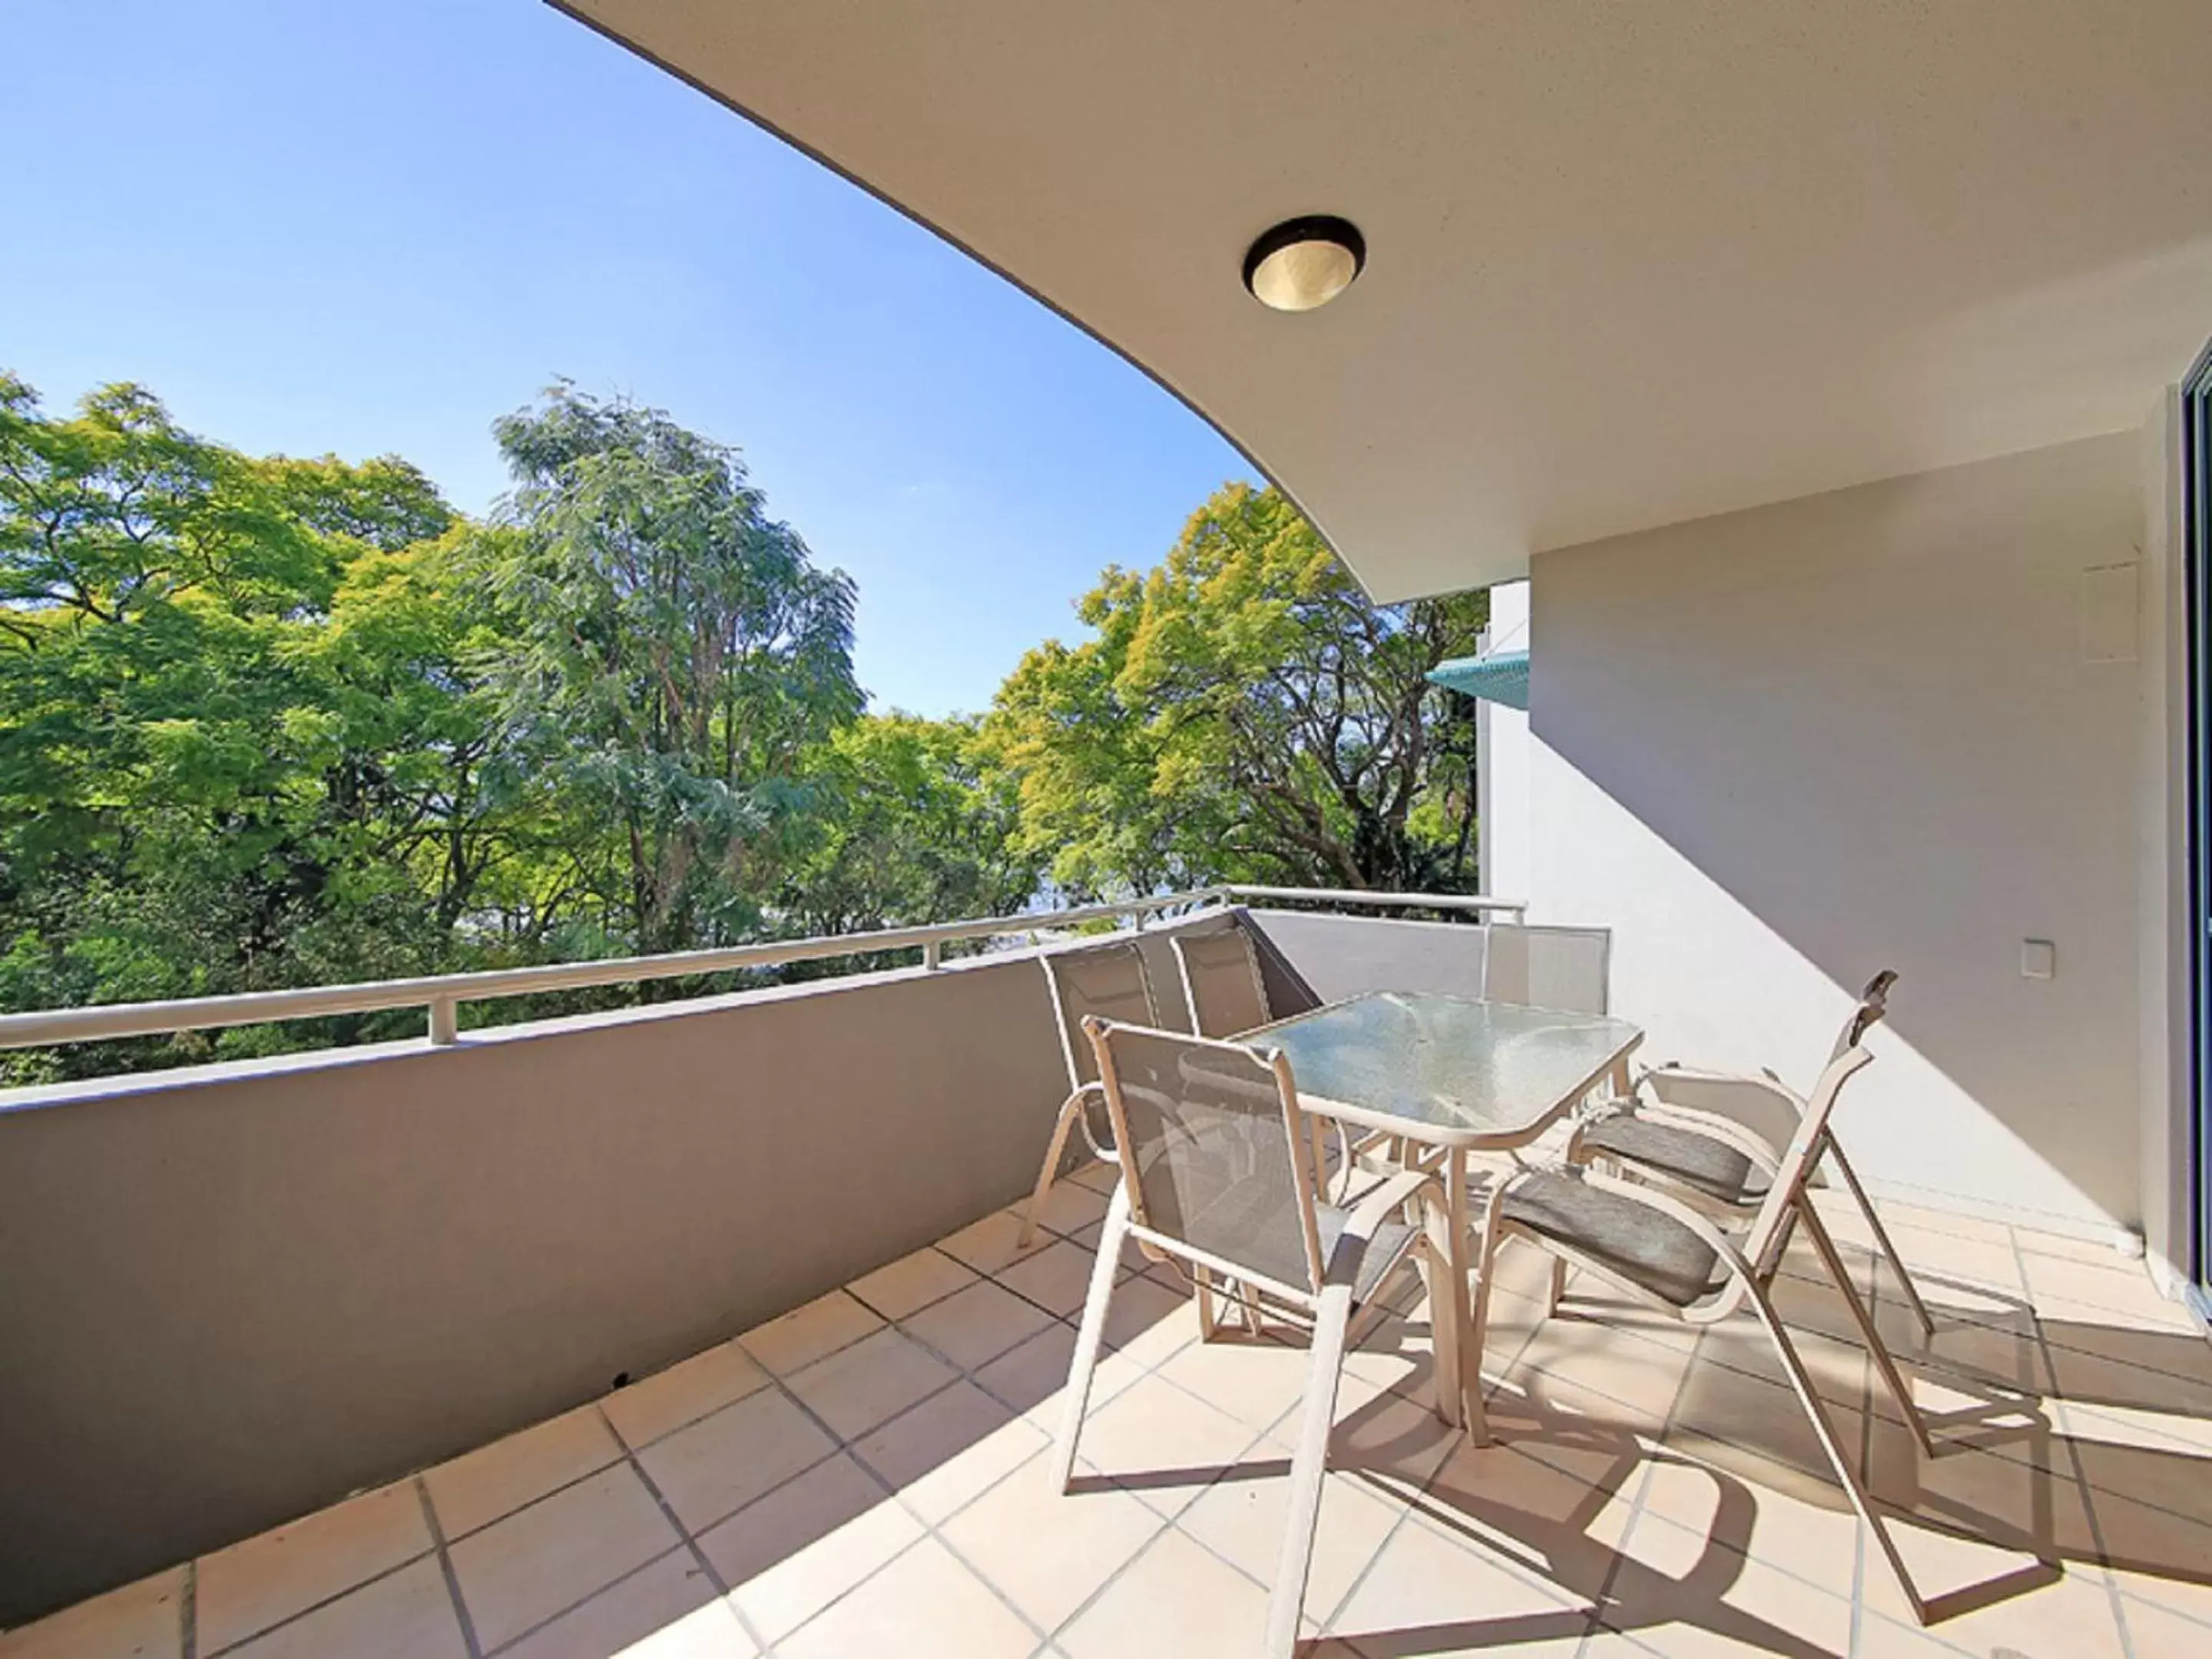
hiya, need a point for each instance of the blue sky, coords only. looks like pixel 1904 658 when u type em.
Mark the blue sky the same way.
pixel 370 229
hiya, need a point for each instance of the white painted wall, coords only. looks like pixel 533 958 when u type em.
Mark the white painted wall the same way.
pixel 1501 740
pixel 1778 750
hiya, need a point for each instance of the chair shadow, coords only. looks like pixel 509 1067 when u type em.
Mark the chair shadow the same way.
pixel 2057 1443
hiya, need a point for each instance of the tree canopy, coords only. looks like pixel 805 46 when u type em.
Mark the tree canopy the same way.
pixel 267 721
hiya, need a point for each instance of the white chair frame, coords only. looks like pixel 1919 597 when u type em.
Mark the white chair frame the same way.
pixel 1325 1301
pixel 1081 1093
pixel 1177 942
pixel 1750 1263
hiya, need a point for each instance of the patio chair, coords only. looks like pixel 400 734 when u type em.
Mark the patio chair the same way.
pixel 1668 1255
pixel 1713 1161
pixel 1221 982
pixel 1211 1135
pixel 1111 981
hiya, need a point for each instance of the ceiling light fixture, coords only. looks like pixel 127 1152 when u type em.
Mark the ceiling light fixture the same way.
pixel 1304 263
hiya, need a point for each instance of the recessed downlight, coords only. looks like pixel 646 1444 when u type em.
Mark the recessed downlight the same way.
pixel 1304 263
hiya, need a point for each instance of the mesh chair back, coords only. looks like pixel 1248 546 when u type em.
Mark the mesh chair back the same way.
pixel 1769 1234
pixel 1107 981
pixel 1208 1135
pixel 1221 982
pixel 1569 968
pixel 1874 1005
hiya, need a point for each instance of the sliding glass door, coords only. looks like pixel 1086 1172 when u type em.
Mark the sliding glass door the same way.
pixel 2196 439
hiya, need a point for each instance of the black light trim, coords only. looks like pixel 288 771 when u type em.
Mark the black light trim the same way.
pixel 1311 228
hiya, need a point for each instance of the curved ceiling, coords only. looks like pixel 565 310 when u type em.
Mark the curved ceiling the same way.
pixel 1629 264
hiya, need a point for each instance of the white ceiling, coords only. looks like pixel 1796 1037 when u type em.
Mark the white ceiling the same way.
pixel 1629 263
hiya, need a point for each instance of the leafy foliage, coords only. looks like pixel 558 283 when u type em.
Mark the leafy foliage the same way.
pixel 1244 713
pixel 268 721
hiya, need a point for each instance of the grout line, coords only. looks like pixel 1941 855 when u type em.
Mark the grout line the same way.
pixel 446 1567
pixel 188 1612
pixel 291 1619
pixel 698 1555
pixel 566 1608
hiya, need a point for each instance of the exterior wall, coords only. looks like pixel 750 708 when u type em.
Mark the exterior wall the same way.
pixel 1335 956
pixel 1507 850
pixel 2163 923
pixel 1776 751
pixel 233 1295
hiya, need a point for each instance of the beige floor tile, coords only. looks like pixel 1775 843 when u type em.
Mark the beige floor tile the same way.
pixel 721 1463
pixel 805 1334
pixel 667 1609
pixel 799 1548
pixel 2154 1632
pixel 1773 1519
pixel 1731 1407
pixel 685 1393
pixel 1243 1521
pixel 873 1380
pixel 911 1283
pixel 1397 1354
pixel 1100 1177
pixel 1165 1445
pixel 1253 1382
pixel 408 1615
pixel 1397 1443
pixel 561 1551
pixel 1895 1214
pixel 2113 1285
pixel 2155 1556
pixel 250 1586
pixel 1048 1551
pixel 949 1448
pixel 2031 1612
pixel 924 1605
pixel 473 1491
pixel 141 1620
pixel 1148 1321
pixel 1070 1207
pixel 1032 1378
pixel 1174 1599
pixel 1644 1376
pixel 1529 1514
pixel 1680 1593
pixel 1134 1260
pixel 975 1324
pixel 1057 1279
pixel 1433 1593
pixel 989 1244
pixel 1946 1256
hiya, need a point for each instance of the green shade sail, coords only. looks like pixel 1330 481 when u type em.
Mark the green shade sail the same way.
pixel 1501 677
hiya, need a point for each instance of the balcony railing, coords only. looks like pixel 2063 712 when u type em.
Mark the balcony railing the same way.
pixel 441 995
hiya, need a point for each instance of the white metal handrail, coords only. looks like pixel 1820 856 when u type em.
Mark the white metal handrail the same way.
pixel 1475 902
pixel 441 995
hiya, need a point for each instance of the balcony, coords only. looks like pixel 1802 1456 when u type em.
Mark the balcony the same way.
pixel 702 1329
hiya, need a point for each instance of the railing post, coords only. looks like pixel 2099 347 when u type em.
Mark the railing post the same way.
pixel 445 1022
pixel 932 954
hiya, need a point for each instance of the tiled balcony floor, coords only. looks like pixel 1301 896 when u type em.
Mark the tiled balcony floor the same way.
pixel 866 1476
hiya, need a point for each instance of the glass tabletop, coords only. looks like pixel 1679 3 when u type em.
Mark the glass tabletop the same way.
pixel 1447 1069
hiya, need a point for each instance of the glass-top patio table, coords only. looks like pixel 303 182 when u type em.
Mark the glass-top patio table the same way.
pixel 1453 1075
pixel 1448 1071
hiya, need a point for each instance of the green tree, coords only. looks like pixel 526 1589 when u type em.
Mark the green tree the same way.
pixel 197 786
pixel 912 829
pixel 1244 713
pixel 668 655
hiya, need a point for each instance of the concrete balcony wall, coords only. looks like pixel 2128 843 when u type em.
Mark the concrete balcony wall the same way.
pixel 234 1293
